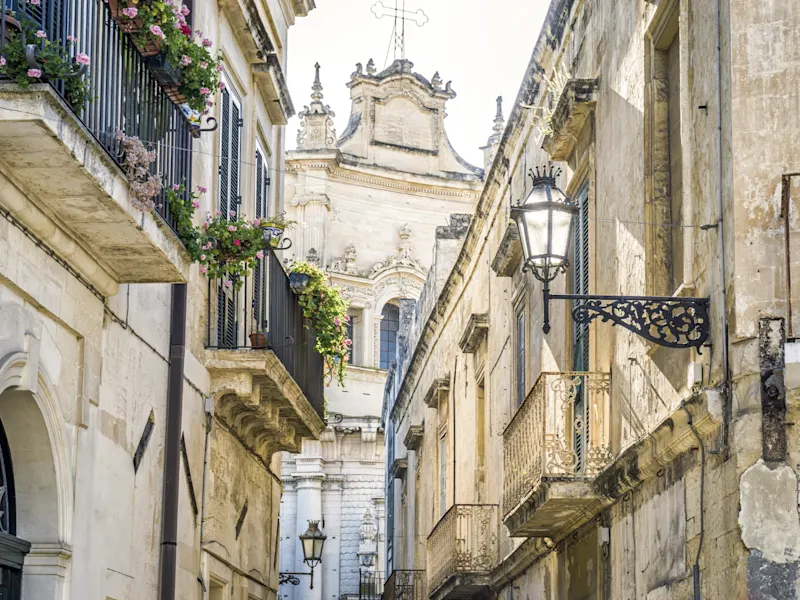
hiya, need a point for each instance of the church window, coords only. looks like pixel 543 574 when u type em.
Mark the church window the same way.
pixel 390 324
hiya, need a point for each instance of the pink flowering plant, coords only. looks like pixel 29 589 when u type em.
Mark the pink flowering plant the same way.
pixel 230 245
pixel 326 309
pixel 56 60
pixel 143 184
pixel 163 23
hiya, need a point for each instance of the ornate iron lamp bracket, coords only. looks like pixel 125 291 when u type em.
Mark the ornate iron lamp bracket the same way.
pixel 290 578
pixel 668 321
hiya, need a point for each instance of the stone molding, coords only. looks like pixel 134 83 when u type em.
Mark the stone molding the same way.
pixel 573 107
pixel 441 385
pixel 257 399
pixel 413 438
pixel 476 330
pixel 509 253
pixel 399 468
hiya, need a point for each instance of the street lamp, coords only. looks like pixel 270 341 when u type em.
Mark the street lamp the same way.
pixel 312 542
pixel 545 220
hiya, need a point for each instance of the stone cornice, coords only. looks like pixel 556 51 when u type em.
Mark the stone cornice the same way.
pixel 425 186
pixel 477 328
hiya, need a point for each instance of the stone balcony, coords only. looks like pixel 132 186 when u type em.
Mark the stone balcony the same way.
pixel 554 447
pixel 60 164
pixel 406 585
pixel 266 375
pixel 462 551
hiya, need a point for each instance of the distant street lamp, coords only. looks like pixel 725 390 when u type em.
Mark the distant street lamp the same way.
pixel 312 542
pixel 545 220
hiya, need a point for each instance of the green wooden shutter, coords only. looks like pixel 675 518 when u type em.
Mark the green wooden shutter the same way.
pixel 224 152
pixel 580 332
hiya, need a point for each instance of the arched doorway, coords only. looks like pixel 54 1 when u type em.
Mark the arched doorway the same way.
pixel 12 548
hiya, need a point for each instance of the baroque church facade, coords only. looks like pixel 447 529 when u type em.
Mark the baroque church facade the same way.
pixel 369 206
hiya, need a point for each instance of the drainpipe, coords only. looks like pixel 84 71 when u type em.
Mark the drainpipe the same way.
pixel 727 408
pixel 209 420
pixel 172 444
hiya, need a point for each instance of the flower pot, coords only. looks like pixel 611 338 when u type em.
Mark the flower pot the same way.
pixel 298 282
pixel 12 28
pixel 258 340
pixel 152 46
pixel 272 234
pixel 168 76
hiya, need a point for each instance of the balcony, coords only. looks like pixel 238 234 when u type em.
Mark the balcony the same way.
pixel 406 585
pixel 462 551
pixel 60 177
pixel 553 448
pixel 370 585
pixel 266 375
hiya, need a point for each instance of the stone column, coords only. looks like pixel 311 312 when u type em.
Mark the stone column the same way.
pixel 376 341
pixel 380 520
pixel 309 480
pixel 316 216
pixel 288 533
pixel 332 509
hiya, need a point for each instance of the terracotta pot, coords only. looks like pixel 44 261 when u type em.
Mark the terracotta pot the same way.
pixel 133 27
pixel 258 340
pixel 12 28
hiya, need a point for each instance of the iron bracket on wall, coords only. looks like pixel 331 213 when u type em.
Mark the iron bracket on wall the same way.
pixel 669 321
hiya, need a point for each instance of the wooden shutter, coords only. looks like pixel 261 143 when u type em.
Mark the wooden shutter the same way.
pixel 580 332
pixel 229 153
pixel 260 271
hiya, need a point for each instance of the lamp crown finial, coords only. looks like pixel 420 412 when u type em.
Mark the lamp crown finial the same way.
pixel 544 176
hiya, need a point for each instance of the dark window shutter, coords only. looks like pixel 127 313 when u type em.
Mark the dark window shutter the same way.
pixel 259 272
pixel 580 332
pixel 233 202
pixel 224 153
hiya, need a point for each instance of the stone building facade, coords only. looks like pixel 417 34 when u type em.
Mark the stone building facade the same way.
pixel 591 462
pixel 369 205
pixel 139 460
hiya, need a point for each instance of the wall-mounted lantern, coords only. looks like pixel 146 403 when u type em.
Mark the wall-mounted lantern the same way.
pixel 312 542
pixel 545 220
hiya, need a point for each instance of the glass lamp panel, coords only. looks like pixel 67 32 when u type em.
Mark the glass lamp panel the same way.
pixel 562 224
pixel 536 225
pixel 318 543
pixel 308 548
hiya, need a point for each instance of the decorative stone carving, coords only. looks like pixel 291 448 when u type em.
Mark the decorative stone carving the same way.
pixel 371 70
pixel 493 143
pixel 316 121
pixel 313 257
pixel 368 529
pixel 403 257
pixel 346 264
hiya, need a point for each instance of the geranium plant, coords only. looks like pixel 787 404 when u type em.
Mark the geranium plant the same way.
pixel 163 23
pixel 230 245
pixel 326 309
pixel 56 61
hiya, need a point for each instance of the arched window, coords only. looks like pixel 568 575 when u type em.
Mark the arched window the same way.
pixel 12 549
pixel 389 326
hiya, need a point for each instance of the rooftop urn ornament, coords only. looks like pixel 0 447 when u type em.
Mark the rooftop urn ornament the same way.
pixel 312 542
pixel 545 222
pixel 368 529
pixel 493 143
pixel 404 247
pixel 371 70
pixel 316 131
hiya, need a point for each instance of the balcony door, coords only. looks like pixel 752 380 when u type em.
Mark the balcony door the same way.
pixel 580 331
pixel 12 549
pixel 262 196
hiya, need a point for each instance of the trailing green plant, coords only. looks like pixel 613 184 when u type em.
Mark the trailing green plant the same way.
pixel 326 309
pixel 164 22
pixel 278 220
pixel 57 61
pixel 182 209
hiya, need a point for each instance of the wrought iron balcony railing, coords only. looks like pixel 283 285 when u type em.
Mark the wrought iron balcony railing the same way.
pixel 559 431
pixel 124 95
pixel 265 314
pixel 464 541
pixel 406 585
pixel 370 585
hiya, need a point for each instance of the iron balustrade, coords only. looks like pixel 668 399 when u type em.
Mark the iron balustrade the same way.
pixel 370 585
pixel 406 585
pixel 125 95
pixel 266 314
pixel 463 541
pixel 559 431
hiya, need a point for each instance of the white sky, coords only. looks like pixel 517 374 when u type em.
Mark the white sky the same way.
pixel 483 46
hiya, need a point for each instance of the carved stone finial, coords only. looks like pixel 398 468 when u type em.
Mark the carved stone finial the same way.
pixel 405 247
pixel 316 121
pixel 436 82
pixel 499 120
pixel 368 530
pixel 371 70
pixel 313 257
pixel 359 71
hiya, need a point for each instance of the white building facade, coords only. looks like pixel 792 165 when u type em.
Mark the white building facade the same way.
pixel 369 206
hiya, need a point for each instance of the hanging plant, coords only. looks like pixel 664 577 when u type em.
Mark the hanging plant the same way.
pixel 143 185
pixel 326 309
pixel 274 227
pixel 53 61
pixel 183 63
pixel 183 212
